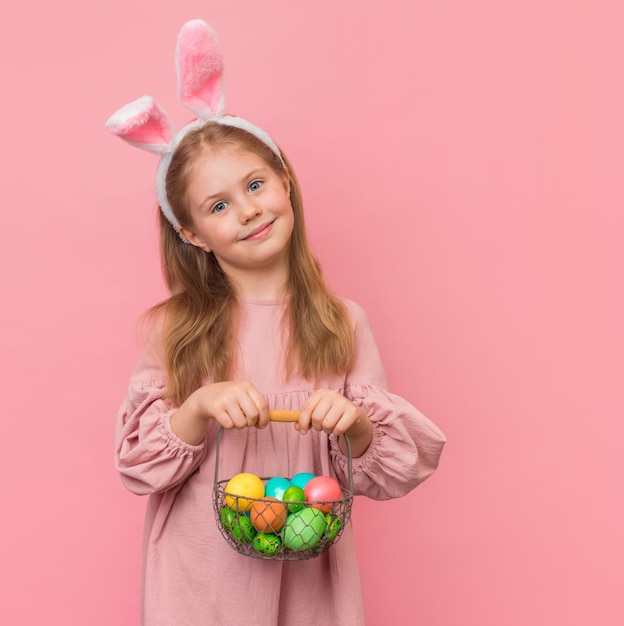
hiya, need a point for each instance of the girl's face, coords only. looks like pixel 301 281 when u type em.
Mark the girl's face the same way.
pixel 240 211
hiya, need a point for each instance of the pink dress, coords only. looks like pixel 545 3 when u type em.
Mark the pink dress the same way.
pixel 191 576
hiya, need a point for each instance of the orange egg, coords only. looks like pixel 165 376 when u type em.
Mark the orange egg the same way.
pixel 268 515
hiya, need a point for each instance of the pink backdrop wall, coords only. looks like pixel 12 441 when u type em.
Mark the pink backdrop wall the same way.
pixel 462 165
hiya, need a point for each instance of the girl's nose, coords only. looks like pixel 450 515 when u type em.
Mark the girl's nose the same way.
pixel 249 210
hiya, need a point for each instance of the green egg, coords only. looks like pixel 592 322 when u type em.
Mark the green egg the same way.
pixel 243 529
pixel 227 517
pixel 294 497
pixel 267 543
pixel 334 524
pixel 304 529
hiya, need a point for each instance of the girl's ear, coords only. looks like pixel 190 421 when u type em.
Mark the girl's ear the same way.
pixel 193 239
pixel 286 178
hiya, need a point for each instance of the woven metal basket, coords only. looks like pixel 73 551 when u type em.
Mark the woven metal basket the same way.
pixel 281 530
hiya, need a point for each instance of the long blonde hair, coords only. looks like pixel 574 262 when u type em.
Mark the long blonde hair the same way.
pixel 199 317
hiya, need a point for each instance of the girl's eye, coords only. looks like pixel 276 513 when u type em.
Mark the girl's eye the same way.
pixel 220 206
pixel 255 185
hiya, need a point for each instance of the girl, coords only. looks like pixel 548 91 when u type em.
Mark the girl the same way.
pixel 250 326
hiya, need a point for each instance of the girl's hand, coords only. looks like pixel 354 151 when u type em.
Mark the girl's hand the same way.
pixel 231 404
pixel 329 411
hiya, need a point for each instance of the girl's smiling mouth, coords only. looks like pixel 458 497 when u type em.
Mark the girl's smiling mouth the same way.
pixel 259 232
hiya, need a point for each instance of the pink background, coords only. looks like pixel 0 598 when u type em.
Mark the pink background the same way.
pixel 462 166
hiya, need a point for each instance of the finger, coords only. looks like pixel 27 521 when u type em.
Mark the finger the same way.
pixel 260 406
pixel 249 410
pixel 305 414
pixel 349 417
pixel 238 417
pixel 263 418
pixel 320 412
pixel 222 417
pixel 333 417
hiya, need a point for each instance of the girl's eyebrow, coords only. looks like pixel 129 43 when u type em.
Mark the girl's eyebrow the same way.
pixel 208 200
pixel 255 172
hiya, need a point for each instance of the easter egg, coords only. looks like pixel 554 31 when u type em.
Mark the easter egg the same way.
pixel 294 497
pixel 245 484
pixel 242 529
pixel 276 486
pixel 267 543
pixel 321 489
pixel 268 516
pixel 304 529
pixel 301 479
pixel 334 524
pixel 227 517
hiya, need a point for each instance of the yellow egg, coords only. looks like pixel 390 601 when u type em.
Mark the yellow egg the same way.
pixel 240 487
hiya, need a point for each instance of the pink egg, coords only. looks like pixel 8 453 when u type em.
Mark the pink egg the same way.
pixel 322 489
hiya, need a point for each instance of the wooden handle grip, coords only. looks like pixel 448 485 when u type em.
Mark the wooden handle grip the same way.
pixel 284 416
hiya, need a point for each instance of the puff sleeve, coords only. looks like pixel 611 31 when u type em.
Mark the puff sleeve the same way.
pixel 148 454
pixel 406 446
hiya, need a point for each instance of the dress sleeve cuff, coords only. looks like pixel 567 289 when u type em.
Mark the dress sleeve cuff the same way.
pixel 404 450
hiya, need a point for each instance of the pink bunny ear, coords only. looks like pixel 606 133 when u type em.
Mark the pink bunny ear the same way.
pixel 143 124
pixel 199 62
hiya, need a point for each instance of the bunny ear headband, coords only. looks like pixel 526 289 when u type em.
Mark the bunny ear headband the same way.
pixel 144 124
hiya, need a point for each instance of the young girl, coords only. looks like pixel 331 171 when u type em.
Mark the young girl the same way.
pixel 250 326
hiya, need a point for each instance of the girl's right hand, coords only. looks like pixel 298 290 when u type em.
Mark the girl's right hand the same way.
pixel 231 404
pixel 234 404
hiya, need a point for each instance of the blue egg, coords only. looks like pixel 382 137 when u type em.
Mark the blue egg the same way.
pixel 301 479
pixel 275 487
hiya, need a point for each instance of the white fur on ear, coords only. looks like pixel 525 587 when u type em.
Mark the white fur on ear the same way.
pixel 199 65
pixel 144 124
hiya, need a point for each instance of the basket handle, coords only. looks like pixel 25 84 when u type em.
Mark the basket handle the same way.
pixel 283 416
pixel 286 416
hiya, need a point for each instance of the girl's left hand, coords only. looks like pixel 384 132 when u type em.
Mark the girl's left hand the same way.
pixel 329 411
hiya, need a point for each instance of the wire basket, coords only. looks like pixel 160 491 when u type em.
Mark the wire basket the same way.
pixel 268 528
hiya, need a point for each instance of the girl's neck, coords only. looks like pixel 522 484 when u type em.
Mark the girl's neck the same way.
pixel 266 286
